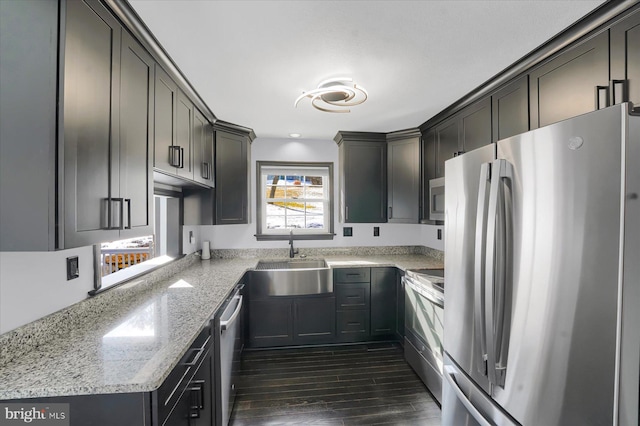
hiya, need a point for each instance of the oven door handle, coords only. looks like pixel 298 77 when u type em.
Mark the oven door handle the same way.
pixel 424 294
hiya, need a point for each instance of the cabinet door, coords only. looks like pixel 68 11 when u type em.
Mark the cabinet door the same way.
pixel 314 320
pixel 510 109
pixel 625 60
pixel 232 168
pixel 136 125
pixel 383 301
pixel 91 90
pixel 475 126
pixel 446 143
pixel 403 171
pixel 202 149
pixel 184 127
pixel 573 83
pixel 271 322
pixel 200 391
pixel 428 170
pixel 353 326
pixel 165 102
pixel 364 182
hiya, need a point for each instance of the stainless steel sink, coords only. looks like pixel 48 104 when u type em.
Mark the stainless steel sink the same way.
pixel 294 277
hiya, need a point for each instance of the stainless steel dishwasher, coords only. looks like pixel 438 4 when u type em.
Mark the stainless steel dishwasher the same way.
pixel 228 346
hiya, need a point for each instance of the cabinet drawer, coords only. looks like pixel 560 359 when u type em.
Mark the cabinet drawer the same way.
pixel 171 389
pixel 353 325
pixel 353 275
pixel 352 296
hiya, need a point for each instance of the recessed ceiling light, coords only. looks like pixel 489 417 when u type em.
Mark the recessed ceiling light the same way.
pixel 294 135
pixel 336 94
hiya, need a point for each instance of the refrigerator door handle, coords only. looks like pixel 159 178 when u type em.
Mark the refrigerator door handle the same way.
pixel 499 235
pixel 449 373
pixel 479 269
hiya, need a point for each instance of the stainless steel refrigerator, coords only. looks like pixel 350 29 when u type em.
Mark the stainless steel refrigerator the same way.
pixel 542 258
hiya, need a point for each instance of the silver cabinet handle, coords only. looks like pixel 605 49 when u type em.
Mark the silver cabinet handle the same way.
pixel 128 201
pixel 390 212
pixel 174 156
pixel 226 324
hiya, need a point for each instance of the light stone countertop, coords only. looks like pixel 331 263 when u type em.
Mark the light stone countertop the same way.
pixel 133 343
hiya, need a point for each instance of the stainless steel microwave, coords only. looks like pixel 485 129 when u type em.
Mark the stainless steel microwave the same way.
pixel 436 199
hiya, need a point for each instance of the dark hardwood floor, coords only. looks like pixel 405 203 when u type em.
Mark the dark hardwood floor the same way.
pixel 367 384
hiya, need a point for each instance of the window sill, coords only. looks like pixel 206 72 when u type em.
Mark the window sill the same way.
pixel 135 271
pixel 286 237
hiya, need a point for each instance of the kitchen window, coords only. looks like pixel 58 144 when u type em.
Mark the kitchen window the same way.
pixel 294 197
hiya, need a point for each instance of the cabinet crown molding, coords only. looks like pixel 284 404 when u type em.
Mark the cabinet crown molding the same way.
pixel 342 136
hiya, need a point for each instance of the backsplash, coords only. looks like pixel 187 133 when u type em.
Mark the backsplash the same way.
pixel 270 253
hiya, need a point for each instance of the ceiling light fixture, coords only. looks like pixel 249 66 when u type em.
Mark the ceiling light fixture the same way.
pixel 340 93
pixel 294 135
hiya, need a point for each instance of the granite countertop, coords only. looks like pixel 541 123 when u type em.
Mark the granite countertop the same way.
pixel 133 343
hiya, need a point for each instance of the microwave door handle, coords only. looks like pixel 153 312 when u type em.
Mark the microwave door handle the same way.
pixel 479 269
pixel 495 272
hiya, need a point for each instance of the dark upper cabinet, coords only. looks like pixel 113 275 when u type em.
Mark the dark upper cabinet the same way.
pixel 428 170
pixel 92 212
pixel 108 98
pixel 232 177
pixel 446 138
pixel 510 109
pixel 203 167
pixel 475 126
pixel 383 301
pixel 363 177
pixel 136 138
pixel 573 83
pixel 184 128
pixel 625 60
pixel 166 151
pixel 403 177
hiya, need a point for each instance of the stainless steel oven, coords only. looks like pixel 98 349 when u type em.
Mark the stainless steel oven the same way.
pixel 424 315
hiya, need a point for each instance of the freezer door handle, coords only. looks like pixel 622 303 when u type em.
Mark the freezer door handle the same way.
pixel 497 271
pixel 479 268
pixel 449 373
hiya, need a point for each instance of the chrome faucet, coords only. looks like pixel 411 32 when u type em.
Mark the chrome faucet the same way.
pixel 292 252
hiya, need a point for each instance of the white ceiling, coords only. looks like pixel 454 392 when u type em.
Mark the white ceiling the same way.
pixel 250 60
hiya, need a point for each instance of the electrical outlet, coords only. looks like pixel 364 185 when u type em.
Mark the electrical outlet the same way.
pixel 73 268
pixel 347 231
pixel 439 234
pixel 376 231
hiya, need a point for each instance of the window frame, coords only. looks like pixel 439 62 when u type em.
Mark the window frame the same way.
pixel 298 233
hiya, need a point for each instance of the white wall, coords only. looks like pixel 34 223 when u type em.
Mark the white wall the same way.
pixel 242 236
pixel 34 284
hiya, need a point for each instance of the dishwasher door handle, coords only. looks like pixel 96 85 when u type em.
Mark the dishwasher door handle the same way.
pixel 226 324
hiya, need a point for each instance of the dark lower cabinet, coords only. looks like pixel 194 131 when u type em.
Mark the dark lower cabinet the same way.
pixel 383 302
pixel 270 322
pixel 314 320
pixel 284 321
pixel 573 83
pixel 625 60
pixel 353 326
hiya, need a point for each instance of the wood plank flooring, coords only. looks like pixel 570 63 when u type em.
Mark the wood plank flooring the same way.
pixel 367 384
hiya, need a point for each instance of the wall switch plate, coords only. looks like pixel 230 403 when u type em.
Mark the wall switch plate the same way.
pixel 347 231
pixel 73 268
pixel 376 231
